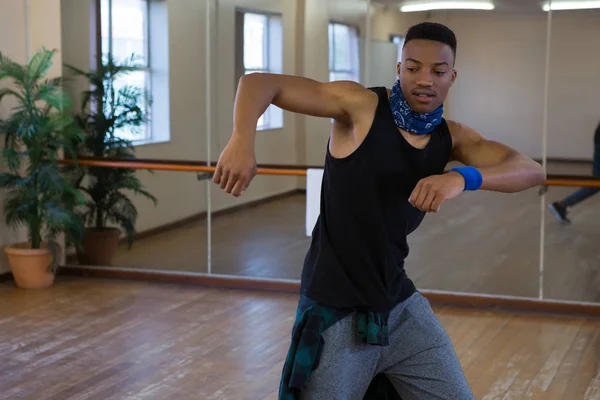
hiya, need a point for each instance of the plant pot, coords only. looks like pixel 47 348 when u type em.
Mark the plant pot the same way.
pixel 31 268
pixel 98 246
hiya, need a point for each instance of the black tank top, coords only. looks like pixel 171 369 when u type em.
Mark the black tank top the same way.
pixel 359 243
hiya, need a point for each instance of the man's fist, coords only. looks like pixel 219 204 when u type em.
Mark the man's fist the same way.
pixel 236 166
pixel 431 192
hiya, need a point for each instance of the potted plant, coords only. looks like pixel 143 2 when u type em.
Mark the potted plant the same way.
pixel 38 197
pixel 110 106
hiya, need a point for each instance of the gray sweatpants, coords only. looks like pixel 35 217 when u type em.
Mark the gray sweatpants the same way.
pixel 420 360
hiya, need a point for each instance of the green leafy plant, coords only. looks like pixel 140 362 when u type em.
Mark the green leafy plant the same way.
pixel 38 127
pixel 110 106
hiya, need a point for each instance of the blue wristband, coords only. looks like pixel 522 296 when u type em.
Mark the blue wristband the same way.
pixel 473 178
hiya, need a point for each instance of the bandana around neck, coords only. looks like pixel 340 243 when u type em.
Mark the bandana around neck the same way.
pixel 411 121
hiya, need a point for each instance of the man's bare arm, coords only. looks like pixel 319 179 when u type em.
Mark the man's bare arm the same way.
pixel 343 101
pixel 337 100
pixel 503 169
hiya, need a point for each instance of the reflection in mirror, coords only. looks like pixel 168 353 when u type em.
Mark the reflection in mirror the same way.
pixel 163 43
pixel 263 233
pixel 171 233
pixel 262 238
pixel 169 225
pixel 484 242
pixel 572 228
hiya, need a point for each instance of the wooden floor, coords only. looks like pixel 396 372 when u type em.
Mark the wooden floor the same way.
pixel 117 340
pixel 264 241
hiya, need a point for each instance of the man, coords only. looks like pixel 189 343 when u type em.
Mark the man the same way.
pixel 560 208
pixel 362 329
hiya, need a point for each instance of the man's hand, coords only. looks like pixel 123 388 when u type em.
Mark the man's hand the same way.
pixel 236 166
pixel 431 192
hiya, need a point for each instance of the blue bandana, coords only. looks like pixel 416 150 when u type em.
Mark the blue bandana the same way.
pixel 411 121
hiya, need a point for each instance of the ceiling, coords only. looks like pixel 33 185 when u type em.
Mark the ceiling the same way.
pixel 500 5
pixel 356 8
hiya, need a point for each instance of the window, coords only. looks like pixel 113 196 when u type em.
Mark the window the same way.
pixel 126 30
pixel 343 53
pixel 398 41
pixel 261 52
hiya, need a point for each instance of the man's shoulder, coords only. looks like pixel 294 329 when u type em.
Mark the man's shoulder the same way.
pixel 364 101
pixel 462 133
pixel 459 129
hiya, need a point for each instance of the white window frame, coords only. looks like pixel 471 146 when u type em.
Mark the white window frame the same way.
pixel 272 60
pixel 148 133
pixel 354 71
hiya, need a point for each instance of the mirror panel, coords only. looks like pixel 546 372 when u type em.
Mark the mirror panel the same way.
pixel 483 242
pixel 572 226
pixel 263 233
pixel 162 39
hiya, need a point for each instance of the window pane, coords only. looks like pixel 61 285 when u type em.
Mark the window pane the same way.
pixel 342 48
pixel 104 26
pixel 138 80
pixel 274 54
pixel 331 44
pixel 128 28
pixel 127 36
pixel 342 76
pixel 399 41
pixel 255 37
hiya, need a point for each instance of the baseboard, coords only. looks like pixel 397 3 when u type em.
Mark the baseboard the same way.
pixel 513 303
pixel 467 300
pixel 200 279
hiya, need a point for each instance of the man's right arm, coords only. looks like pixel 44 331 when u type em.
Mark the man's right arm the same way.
pixel 342 101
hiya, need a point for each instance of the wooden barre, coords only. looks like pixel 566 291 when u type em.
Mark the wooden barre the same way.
pixel 572 182
pixel 175 167
pixel 198 166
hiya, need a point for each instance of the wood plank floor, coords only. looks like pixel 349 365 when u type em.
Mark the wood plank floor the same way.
pixel 116 340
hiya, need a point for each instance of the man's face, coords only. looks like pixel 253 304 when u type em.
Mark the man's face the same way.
pixel 426 73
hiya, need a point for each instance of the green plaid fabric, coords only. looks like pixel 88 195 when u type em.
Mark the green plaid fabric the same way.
pixel 303 356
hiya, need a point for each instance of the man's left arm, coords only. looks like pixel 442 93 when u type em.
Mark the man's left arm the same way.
pixel 489 165
pixel 502 168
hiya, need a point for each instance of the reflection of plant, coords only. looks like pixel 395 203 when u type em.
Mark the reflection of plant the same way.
pixel 109 107
pixel 40 197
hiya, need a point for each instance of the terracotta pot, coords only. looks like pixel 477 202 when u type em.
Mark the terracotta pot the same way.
pixel 31 268
pixel 99 246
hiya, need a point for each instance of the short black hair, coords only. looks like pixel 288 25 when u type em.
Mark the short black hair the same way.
pixel 432 31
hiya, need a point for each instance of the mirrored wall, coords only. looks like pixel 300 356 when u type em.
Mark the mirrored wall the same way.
pixel 571 261
pixel 526 77
pixel 167 207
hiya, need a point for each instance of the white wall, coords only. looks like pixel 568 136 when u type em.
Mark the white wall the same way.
pixel 574 106
pixel 500 85
pixel 24 30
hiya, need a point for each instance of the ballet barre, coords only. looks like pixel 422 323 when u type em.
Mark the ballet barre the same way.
pixel 272 169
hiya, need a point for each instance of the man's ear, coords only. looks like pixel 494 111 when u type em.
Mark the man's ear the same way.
pixel 454 75
pixel 398 67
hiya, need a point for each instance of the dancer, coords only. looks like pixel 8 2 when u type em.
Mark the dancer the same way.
pixel 561 208
pixel 362 329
